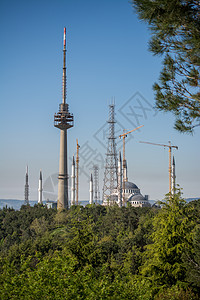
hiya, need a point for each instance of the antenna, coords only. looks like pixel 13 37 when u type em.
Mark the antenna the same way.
pixel 64 67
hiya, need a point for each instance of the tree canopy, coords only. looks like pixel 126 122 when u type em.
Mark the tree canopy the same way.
pixel 95 252
pixel 175 28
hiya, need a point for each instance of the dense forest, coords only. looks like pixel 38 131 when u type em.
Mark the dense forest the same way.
pixel 97 252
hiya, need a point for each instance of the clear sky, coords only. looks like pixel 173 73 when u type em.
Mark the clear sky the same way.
pixel 107 57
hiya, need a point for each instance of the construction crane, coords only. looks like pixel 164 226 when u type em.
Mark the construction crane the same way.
pixel 77 169
pixel 170 159
pixel 124 135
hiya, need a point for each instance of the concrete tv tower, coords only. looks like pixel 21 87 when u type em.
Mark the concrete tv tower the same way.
pixel 26 188
pixel 63 120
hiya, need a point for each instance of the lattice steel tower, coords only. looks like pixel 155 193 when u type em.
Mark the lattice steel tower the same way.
pixel 63 120
pixel 96 182
pixel 110 173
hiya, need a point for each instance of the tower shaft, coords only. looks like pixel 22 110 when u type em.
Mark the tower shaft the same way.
pixel 63 175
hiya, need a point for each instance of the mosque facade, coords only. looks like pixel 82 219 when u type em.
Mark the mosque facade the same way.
pixel 126 193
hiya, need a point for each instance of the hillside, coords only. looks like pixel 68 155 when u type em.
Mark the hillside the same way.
pixel 95 252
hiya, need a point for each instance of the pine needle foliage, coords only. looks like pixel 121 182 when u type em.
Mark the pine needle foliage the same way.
pixel 175 28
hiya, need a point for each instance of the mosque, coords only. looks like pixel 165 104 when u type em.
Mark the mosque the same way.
pixel 126 193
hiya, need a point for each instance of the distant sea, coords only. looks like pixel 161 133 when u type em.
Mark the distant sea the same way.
pixel 16 204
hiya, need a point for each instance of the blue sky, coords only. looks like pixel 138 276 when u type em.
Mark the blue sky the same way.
pixel 107 57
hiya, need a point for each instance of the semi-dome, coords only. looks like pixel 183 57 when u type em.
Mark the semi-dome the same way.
pixel 137 197
pixel 139 200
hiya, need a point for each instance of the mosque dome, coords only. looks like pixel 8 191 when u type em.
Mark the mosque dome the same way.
pixel 130 185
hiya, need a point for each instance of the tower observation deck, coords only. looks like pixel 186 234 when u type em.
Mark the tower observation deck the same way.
pixel 63 120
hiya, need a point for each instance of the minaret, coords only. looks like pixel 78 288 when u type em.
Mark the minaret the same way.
pixel 91 190
pixel 73 183
pixel 173 177
pixel 63 120
pixel 40 189
pixel 125 170
pixel 119 187
pixel 26 188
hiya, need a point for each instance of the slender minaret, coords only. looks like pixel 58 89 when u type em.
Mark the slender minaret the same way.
pixel 73 183
pixel 173 177
pixel 125 170
pixel 63 120
pixel 91 190
pixel 26 188
pixel 119 187
pixel 40 189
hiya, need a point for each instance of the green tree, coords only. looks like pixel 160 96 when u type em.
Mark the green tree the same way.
pixel 172 236
pixel 192 260
pixel 175 27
